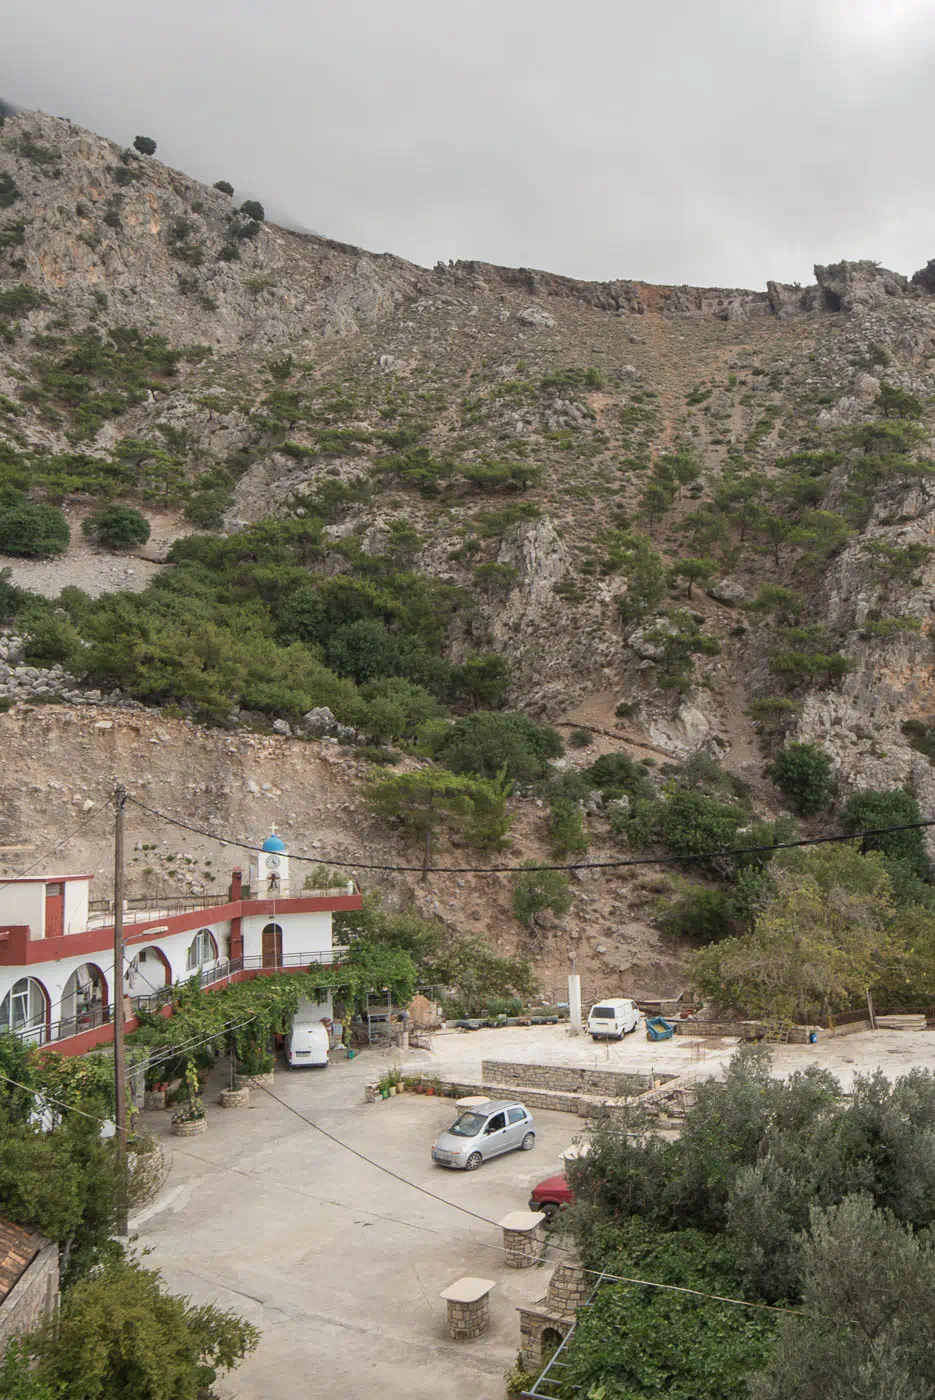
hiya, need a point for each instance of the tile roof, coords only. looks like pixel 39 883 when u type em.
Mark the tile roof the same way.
pixel 18 1248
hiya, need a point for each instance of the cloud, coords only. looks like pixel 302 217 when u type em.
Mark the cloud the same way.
pixel 715 143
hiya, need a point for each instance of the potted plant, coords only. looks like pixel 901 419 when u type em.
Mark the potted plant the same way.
pixel 189 1118
pixel 255 1065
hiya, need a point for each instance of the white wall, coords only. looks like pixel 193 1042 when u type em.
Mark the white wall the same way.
pixel 77 895
pixel 301 933
pixel 24 904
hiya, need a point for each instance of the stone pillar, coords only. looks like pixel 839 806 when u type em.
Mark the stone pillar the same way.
pixel 468 1308
pixel 568 1289
pixel 523 1237
pixel 574 1003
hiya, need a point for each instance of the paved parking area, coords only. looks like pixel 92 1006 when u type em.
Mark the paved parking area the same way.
pixel 339 1264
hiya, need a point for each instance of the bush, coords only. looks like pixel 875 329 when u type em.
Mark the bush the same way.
pixel 252 209
pixel 145 145
pixel 802 772
pixel 488 742
pixel 694 825
pixel 117 527
pixel 580 738
pixel 616 774
pixel 33 530
pixel 224 186
pixel 702 914
pixel 538 890
pixel 873 809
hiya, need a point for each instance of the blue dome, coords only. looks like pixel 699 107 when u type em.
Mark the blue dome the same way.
pixel 273 843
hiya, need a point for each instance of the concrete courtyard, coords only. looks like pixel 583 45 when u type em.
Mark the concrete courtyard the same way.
pixel 339 1264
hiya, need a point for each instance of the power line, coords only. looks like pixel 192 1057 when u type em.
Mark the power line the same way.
pixel 598 1273
pixel 613 1278
pixel 739 851
pixel 51 852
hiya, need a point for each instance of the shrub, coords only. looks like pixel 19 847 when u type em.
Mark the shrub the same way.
pixel 703 914
pixel 874 809
pixel 33 530
pixel 252 209
pixel 117 527
pixel 486 743
pixel 224 186
pixel 580 738
pixel 145 145
pixel 538 890
pixel 802 772
pixel 693 824
pixel 616 774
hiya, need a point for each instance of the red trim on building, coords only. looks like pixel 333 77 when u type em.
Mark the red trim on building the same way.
pixel 44 879
pixel 17 949
pixel 104 1034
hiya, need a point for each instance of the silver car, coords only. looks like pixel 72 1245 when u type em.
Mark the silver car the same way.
pixel 498 1126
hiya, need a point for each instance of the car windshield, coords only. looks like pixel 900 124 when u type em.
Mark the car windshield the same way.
pixel 468 1125
pixel 604 1012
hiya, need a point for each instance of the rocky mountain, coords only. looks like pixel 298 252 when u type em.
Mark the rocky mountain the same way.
pixel 535 444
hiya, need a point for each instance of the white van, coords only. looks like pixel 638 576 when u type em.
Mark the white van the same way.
pixel 307 1044
pixel 613 1019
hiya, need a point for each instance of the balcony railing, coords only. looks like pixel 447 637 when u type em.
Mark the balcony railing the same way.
pixel 101 911
pixel 102 1013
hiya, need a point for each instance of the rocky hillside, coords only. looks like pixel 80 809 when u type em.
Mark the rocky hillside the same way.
pixel 533 448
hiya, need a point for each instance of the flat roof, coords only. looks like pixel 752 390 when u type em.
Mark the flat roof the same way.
pixel 42 879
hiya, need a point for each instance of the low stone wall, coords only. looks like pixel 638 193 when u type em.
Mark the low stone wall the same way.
pixel 745 1030
pixel 569 1079
pixel 801 1035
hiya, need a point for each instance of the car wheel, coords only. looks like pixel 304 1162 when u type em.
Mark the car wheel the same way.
pixel 529 1142
pixel 473 1162
pixel 550 1211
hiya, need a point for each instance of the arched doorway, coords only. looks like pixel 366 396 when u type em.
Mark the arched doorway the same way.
pixel 202 952
pixel 25 1011
pixel 146 973
pixel 84 1000
pixel 272 945
pixel 549 1343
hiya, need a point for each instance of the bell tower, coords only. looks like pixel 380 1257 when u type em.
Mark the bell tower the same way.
pixel 273 872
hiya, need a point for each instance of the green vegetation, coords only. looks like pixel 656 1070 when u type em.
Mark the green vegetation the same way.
pixel 116 527
pixel 489 744
pixel 224 186
pixel 31 529
pixel 802 772
pixel 536 891
pixel 145 145
pixel 776 1191
pixel 429 799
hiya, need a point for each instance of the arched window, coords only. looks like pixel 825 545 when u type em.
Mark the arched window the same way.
pixel 203 950
pixel 24 1009
pixel 84 998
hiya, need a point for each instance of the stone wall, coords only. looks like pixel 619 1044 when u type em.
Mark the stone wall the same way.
pixel 34 1297
pixel 570 1079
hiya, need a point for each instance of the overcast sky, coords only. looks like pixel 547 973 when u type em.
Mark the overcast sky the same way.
pixel 712 142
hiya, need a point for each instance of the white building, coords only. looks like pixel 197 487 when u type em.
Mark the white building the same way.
pixel 56 945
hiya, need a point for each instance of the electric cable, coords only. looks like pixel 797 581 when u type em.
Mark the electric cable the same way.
pixel 612 1278
pixel 740 851
pixel 93 816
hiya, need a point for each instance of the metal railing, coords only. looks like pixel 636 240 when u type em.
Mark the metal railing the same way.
pixel 210 976
pixel 139 910
pixel 550 1379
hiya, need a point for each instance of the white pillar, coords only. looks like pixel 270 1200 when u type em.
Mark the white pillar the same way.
pixel 574 1003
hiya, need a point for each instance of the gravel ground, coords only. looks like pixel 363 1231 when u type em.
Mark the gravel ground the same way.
pixel 95 570
pixel 459 1053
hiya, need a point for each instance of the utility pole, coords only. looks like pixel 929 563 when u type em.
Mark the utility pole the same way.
pixel 120 1070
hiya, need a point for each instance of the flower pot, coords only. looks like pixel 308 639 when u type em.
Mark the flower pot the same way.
pixel 384 1093
pixel 429 1089
pixel 188 1127
pixel 235 1098
pixel 420 1088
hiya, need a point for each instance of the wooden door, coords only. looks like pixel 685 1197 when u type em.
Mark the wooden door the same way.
pixel 272 946
pixel 54 911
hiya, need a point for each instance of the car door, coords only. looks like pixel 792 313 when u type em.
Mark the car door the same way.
pixel 515 1126
pixel 494 1139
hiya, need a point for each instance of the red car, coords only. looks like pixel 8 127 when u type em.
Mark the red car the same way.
pixel 551 1196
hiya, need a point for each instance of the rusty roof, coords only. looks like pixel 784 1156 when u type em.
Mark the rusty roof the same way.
pixel 18 1248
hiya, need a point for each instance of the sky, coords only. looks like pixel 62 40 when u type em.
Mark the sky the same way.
pixel 707 142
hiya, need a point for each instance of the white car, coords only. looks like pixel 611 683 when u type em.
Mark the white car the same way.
pixel 613 1019
pixel 306 1045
